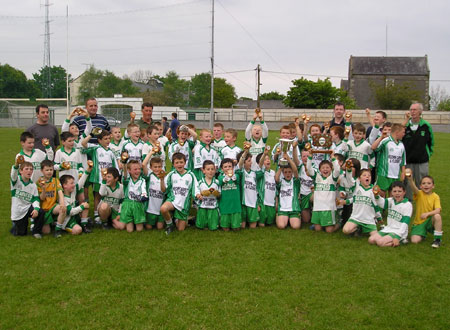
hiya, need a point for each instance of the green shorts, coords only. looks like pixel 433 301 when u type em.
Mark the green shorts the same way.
pixel 385 183
pixel 198 173
pixel 422 229
pixel 207 218
pixel 181 215
pixel 132 212
pixel 290 214
pixel 232 220
pixel 323 218
pixel 305 201
pixel 49 217
pixel 267 214
pixel 152 219
pixel 72 222
pixel 114 213
pixel 366 228
pixel 389 234
pixel 249 214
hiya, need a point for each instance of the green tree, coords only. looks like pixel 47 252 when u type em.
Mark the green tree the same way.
pixel 14 84
pixel 395 96
pixel 175 89
pixel 57 81
pixel 444 105
pixel 314 95
pixel 272 96
pixel 200 92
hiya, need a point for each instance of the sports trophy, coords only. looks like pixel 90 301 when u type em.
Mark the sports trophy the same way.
pixel 285 145
pixel 322 141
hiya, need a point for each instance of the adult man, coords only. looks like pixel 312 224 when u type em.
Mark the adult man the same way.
pixel 97 120
pixel 146 119
pixel 165 124
pixel 43 129
pixel 419 143
pixel 338 112
pixel 174 125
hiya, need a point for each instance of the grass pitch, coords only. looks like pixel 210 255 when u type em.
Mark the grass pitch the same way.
pixel 262 278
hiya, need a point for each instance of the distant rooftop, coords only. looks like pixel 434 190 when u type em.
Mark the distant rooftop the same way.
pixel 381 65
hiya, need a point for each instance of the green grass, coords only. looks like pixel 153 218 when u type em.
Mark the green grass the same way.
pixel 262 278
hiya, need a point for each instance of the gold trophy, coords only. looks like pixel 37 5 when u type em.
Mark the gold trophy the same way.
pixel 65 165
pixel 347 131
pixel 307 146
pixel 348 164
pixel 285 145
pixel 247 145
pixel 322 141
pixel 104 171
pixel 41 181
pixel 258 112
pixel 408 172
pixel 326 125
pixel 132 115
pixel 96 131
pixel 161 175
pixel 205 193
pixel 376 190
pixel 20 159
pixel 230 173
pixel 181 143
pixel 124 157
pixel 348 115
pixel 156 148
pixel 90 163
pixel 45 142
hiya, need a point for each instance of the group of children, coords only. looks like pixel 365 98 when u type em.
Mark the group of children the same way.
pixel 220 185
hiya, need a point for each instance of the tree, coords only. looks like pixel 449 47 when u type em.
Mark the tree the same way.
pixel 438 97
pixel 315 95
pixel 200 92
pixel 444 105
pixel 14 84
pixel 141 76
pixel 57 81
pixel 98 83
pixel 395 96
pixel 272 96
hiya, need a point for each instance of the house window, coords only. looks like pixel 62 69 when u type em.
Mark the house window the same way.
pixel 390 82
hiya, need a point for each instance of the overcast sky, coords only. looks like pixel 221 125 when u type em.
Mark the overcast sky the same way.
pixel 290 36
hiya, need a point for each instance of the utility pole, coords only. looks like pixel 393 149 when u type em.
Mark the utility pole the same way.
pixel 48 90
pixel 258 101
pixel 211 109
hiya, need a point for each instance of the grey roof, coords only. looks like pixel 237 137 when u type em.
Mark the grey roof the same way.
pixel 389 65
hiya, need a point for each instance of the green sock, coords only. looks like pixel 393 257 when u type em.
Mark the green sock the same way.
pixel 58 226
pixel 437 234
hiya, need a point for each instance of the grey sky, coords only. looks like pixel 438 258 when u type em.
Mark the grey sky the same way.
pixel 315 37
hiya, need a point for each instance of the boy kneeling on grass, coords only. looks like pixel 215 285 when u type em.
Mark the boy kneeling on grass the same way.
pixel 428 211
pixel 181 186
pixel 112 195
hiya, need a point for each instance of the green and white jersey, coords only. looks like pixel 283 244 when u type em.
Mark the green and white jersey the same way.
pixel 324 187
pixel 267 188
pixel 391 158
pixel 112 196
pixel 306 182
pixel 73 157
pixel 36 157
pixel 102 158
pixel 70 200
pixel 117 148
pixel 164 141
pixel 399 215
pixel 375 133
pixel 288 195
pixel 218 144
pixel 258 146
pixel 148 146
pixel 181 188
pixel 208 202
pixel 23 195
pixel 361 151
pixel 230 199
pixel 364 205
pixel 185 149
pixel 134 190
pixel 347 183
pixel 229 152
pixel 155 194
pixel 340 148
pixel 134 149
pixel 202 153
pixel 249 187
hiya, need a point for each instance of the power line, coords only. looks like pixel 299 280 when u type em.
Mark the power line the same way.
pixel 305 74
pixel 231 74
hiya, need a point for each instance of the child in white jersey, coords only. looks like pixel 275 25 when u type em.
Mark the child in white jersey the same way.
pixel 365 208
pixel 24 200
pixel 249 189
pixel 208 205
pixel 67 158
pixel 347 185
pixel 285 133
pixel 184 145
pixel 317 157
pixel 399 215
pixel 306 184
pixel 203 151
pixel 288 195
pixel 338 146
pixel 112 195
pixel 359 148
pixel 34 156
pixel 231 150
pixel 267 191
pixel 156 189
pixel 325 184
pixel 391 158
pixel 117 142
pixel 154 145
pixel 133 146
pixel 257 135
pixel 132 212
pixel 218 142
pixel 162 139
pixel 181 186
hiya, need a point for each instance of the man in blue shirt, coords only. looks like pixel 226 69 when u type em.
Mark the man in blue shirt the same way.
pixel 97 119
pixel 174 125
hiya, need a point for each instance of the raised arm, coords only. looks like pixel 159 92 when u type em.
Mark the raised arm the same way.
pixel 242 159
pixel 277 175
pixel 292 164
pixel 85 141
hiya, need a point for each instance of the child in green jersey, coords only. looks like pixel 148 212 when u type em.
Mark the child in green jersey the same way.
pixel 230 201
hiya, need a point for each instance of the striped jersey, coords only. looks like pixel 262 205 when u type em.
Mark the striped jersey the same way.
pixel 134 190
pixel 70 200
pixel 229 152
pixel 23 195
pixel 112 196
pixel 97 121
pixel 391 156
pixel 218 144
pixel 340 148
pixel 306 182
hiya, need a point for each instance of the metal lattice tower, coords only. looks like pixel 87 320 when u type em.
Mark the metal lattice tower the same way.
pixel 47 90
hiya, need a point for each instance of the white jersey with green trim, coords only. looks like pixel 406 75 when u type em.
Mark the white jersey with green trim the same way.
pixel 267 188
pixel 202 153
pixel 324 187
pixel 102 158
pixel 73 158
pixel 340 148
pixel 211 201
pixel 218 144
pixel 229 152
pixel 181 188
pixel 391 156
pixel 288 195
pixel 364 205
pixel 161 154
pixel 399 215
pixel 70 200
pixel 257 146
pixel 23 195
pixel 306 182
pixel 361 151
pixel 249 187
pixel 36 157
pixel 290 152
pixel 347 183
pixel 185 149
pixel 134 190
pixel 155 194
pixel 117 148
pixel 164 141
pixel 112 196
pixel 134 149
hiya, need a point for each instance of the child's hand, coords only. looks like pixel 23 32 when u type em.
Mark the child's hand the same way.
pixel 395 242
pixel 408 173
pixel 342 194
pixel 423 216
pixel 19 160
pixel 90 165
pixel 332 154
pixel 294 144
pixel 132 116
pixel 62 209
pixel 34 214
pixel 367 112
pixel 199 196
pixel 266 150
pixel 255 116
pixel 85 205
